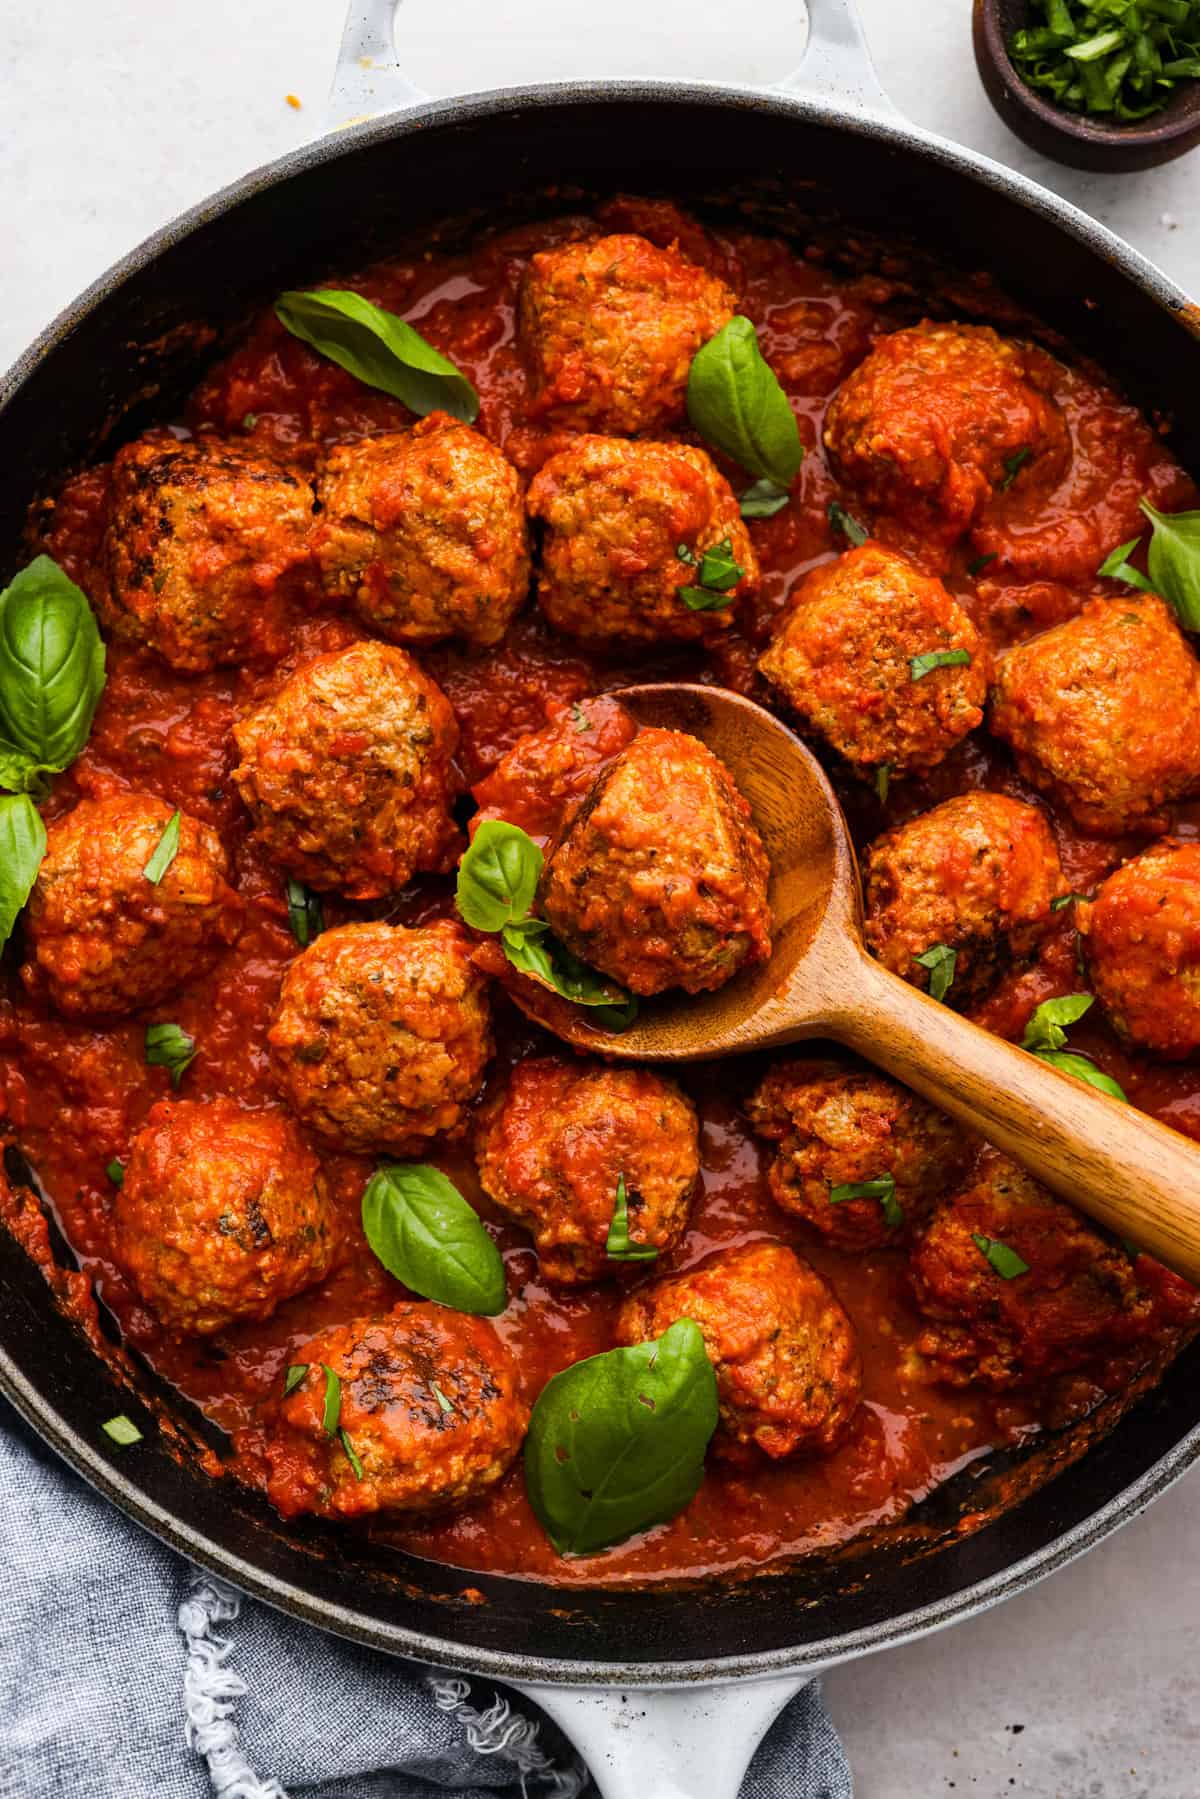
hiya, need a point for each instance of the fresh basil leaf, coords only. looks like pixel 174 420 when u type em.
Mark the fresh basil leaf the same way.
pixel 116 1172
pixel 122 1430
pixel 1116 567
pixel 736 404
pixel 532 947
pixel 22 846
pixel 1174 561
pixel 169 1047
pixel 619 1246
pixel 580 719
pixel 423 1231
pixel 920 666
pixel 978 563
pixel 702 599
pixel 166 852
pixel 306 914
pixel 1084 1069
pixel 1046 1027
pixel 377 347
pixel 883 1189
pixel 351 1453
pixel 1004 1261
pixel 295 1374
pixel 51 672
pixel 444 1405
pixel 616 1443
pixel 883 781
pixel 764 499
pixel 331 1407
pixel 1067 899
pixel 498 876
pixel 1012 467
pixel 719 568
pixel 685 554
pixel 941 962
pixel 843 521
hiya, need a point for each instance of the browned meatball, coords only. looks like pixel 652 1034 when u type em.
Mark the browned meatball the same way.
pixel 382 1034
pixel 347 773
pixel 222 1214
pixel 1103 713
pixel 627 526
pixel 609 327
pixel 204 538
pixel 659 878
pixel 1142 939
pixel 935 419
pixel 424 533
pixel 787 1365
pixel 101 937
pixel 839 1124
pixel 846 656
pixel 554 1143
pixel 1008 1326
pixel 430 1410
pixel 977 875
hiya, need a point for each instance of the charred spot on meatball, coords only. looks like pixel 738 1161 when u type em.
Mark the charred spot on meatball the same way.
pixel 659 878
pixel 554 1143
pixel 1103 714
pixel 381 1035
pixel 423 532
pixel 977 875
pixel 430 1407
pixel 222 1214
pixel 101 938
pixel 784 1352
pixel 609 326
pixel 838 1124
pixel 204 539
pixel 848 660
pixel 347 772
pixel 1141 938
pixel 625 530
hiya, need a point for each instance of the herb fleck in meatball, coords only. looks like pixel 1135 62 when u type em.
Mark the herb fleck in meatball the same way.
pixel 553 1144
pixel 843 660
pixel 1078 1298
pixel 222 1214
pixel 839 1124
pixel 609 327
pixel 347 772
pixel 1103 713
pixel 204 538
pixel 787 1365
pixel 659 878
pixel 935 419
pixel 626 529
pixel 430 1406
pixel 101 937
pixel 977 874
pixel 382 1034
pixel 423 531
pixel 1142 939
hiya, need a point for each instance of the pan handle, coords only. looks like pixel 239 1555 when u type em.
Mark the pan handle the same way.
pixel 685 1743
pixel 837 63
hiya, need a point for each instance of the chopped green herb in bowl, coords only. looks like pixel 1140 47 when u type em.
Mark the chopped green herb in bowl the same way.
pixel 1118 59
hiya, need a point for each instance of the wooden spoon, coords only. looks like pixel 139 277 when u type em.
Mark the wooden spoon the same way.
pixel 1137 1177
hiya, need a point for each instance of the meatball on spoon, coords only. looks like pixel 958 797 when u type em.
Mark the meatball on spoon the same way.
pixel 1132 1174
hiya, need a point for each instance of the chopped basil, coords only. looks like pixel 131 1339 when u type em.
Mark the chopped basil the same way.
pixel 717 573
pixel 1012 467
pixel 843 521
pixel 1084 1069
pixel 165 854
pixel 350 1453
pixel 883 1189
pixel 249 420
pixel 883 781
pixel 978 563
pixel 331 1408
pixel 295 1374
pixel 1000 1258
pixel 169 1047
pixel 941 961
pixel 380 349
pixel 443 1403
pixel 122 1430
pixel 1046 1035
pixel 1117 567
pixel 306 914
pixel 116 1173
pixel 920 666
pixel 22 846
pixel 1111 58
pixel 51 674
pixel 735 402
pixel 764 499
pixel 619 1246
pixel 580 719
pixel 420 1227
pixel 1066 899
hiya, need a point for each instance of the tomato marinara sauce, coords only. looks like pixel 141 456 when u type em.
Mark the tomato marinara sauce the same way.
pixel 73 1093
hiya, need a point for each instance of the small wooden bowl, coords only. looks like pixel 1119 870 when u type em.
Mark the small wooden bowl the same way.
pixel 1077 139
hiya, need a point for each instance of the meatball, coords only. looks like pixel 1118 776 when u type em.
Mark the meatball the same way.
pixel 839 1124
pixel 609 327
pixel 844 660
pixel 553 1145
pixel 347 773
pixel 549 770
pixel 102 938
pixel 1142 941
pixel 1103 714
pixel 978 874
pixel 995 1323
pixel 204 540
pixel 787 1365
pixel 659 878
pixel 430 1411
pixel 936 418
pixel 424 533
pixel 382 1034
pixel 222 1214
pixel 627 526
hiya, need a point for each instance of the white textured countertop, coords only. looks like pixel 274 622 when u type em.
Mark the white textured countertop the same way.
pixel 120 113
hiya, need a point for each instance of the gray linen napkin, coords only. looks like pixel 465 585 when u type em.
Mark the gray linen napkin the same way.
pixel 127 1674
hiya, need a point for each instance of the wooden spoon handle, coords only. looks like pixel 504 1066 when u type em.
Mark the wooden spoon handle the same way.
pixel 1134 1175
